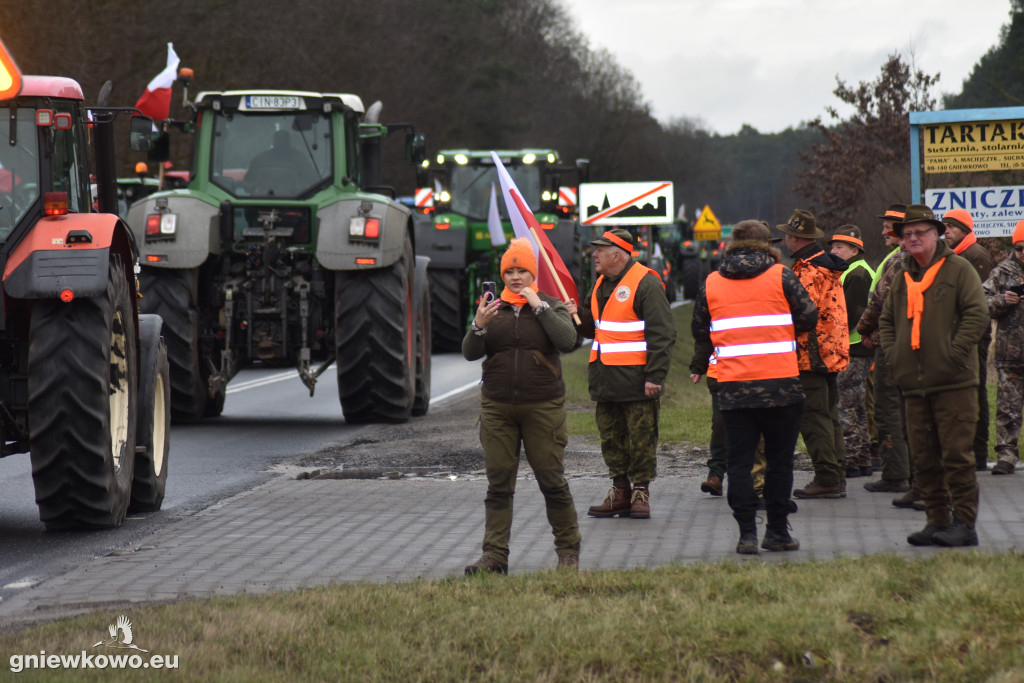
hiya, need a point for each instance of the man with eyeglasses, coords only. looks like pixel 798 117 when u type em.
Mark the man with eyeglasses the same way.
pixel 1003 290
pixel 930 325
pixel 960 235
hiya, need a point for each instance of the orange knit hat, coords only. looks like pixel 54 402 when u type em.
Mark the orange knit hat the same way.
pixel 959 218
pixel 1018 232
pixel 519 255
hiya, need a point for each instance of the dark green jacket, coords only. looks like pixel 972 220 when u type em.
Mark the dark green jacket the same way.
pixel 621 383
pixel 955 317
pixel 522 349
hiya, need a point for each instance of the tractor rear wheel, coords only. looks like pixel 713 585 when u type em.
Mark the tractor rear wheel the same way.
pixel 375 338
pixel 691 271
pixel 154 421
pixel 172 295
pixel 82 402
pixel 448 318
pixel 421 404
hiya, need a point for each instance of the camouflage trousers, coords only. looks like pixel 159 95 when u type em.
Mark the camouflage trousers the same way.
pixel 853 414
pixel 1009 403
pixel 629 438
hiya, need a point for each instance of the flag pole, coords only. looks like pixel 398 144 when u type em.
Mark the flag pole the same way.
pixel 551 267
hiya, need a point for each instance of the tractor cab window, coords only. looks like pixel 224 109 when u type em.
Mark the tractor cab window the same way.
pixel 68 160
pixel 19 169
pixel 471 189
pixel 285 155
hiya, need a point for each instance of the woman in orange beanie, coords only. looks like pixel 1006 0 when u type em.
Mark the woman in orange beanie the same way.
pixel 522 403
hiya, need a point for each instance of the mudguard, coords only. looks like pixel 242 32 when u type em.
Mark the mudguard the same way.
pixel 198 233
pixel 69 252
pixel 446 248
pixel 334 249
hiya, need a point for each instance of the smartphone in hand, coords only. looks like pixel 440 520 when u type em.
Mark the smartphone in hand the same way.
pixel 1016 289
pixel 489 291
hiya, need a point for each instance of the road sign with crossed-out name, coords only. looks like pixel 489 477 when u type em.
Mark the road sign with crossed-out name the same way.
pixel 647 203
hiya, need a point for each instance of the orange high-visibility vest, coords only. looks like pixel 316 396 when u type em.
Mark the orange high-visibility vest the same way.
pixel 752 327
pixel 618 332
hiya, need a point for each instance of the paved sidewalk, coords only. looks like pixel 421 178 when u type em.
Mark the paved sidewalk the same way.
pixel 292 533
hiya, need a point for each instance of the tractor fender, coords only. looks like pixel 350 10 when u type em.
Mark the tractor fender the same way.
pixel 446 248
pixel 70 252
pixel 422 262
pixel 335 250
pixel 197 235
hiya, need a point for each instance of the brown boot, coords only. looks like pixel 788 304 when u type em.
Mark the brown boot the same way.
pixel 640 503
pixel 569 561
pixel 615 503
pixel 908 499
pixel 486 565
pixel 713 485
pixel 816 490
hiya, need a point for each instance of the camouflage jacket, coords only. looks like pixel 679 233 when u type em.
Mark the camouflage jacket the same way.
pixel 1009 319
pixel 746 260
pixel 826 348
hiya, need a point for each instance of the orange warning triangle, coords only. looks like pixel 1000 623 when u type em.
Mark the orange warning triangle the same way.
pixel 10 75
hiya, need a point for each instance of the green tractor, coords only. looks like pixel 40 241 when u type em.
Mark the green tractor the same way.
pixel 452 227
pixel 285 249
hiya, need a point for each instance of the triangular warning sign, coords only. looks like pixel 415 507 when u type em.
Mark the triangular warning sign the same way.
pixel 10 76
pixel 707 222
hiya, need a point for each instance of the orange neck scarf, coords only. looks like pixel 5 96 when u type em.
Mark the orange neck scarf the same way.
pixel 915 300
pixel 508 296
pixel 964 243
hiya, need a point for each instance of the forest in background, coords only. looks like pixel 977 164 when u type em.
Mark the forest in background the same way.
pixel 514 73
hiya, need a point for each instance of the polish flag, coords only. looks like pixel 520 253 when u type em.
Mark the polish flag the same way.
pixel 156 101
pixel 525 224
pixel 494 221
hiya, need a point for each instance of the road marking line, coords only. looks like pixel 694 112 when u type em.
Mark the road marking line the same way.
pixel 454 392
pixel 263 381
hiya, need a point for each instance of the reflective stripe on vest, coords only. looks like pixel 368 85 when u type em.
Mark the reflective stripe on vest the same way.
pixel 618 332
pixel 860 263
pixel 752 327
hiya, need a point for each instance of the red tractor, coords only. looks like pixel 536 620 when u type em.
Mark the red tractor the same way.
pixel 83 377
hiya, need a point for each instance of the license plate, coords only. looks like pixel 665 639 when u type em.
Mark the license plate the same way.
pixel 274 102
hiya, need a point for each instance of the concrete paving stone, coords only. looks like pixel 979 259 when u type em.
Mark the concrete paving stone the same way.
pixel 288 534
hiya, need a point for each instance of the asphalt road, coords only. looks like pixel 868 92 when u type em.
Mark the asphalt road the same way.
pixel 268 420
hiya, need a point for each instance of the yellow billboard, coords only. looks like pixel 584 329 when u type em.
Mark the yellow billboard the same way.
pixel 973 146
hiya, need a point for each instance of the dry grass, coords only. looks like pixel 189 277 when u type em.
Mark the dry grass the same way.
pixel 884 618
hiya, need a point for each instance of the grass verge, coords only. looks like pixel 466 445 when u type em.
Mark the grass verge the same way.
pixel 883 618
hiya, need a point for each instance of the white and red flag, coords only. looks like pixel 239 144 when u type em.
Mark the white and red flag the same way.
pixel 553 277
pixel 156 101
pixel 494 221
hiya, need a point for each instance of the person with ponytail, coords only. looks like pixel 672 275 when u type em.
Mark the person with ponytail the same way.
pixel 522 404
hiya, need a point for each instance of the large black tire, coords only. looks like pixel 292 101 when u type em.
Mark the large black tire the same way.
pixel 447 309
pixel 82 383
pixel 375 333
pixel 691 269
pixel 154 420
pixel 421 403
pixel 172 295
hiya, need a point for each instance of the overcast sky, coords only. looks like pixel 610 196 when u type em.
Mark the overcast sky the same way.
pixel 773 63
